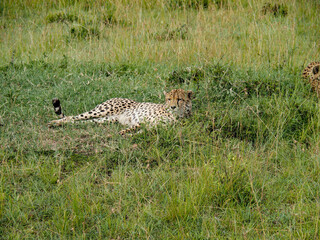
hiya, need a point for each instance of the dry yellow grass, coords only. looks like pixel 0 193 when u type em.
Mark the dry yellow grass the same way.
pixel 239 34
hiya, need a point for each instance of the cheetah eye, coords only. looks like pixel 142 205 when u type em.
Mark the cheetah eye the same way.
pixel 169 99
pixel 179 99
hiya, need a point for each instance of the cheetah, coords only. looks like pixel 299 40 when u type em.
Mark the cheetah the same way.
pixel 131 113
pixel 312 74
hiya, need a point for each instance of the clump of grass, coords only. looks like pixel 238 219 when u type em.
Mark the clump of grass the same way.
pixel 186 75
pixel 180 32
pixel 84 32
pixel 275 9
pixel 194 4
pixel 61 16
pixel 233 184
pixel 197 75
pixel 221 3
pixel 108 18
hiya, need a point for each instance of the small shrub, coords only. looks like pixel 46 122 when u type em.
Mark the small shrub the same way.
pixel 276 9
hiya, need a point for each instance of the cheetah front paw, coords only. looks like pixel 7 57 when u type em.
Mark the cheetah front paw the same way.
pixel 54 123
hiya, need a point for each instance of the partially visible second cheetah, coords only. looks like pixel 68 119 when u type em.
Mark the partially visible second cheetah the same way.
pixel 312 74
pixel 128 112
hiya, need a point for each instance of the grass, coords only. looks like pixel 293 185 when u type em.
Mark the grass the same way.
pixel 244 166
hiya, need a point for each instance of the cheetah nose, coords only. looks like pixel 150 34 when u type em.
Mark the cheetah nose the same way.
pixel 173 107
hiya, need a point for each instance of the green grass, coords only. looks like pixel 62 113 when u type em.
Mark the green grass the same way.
pixel 244 166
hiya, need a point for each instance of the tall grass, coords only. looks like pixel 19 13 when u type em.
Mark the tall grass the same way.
pixel 239 33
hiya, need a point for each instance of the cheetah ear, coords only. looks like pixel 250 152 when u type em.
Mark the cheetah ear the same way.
pixel 164 92
pixel 190 94
pixel 315 70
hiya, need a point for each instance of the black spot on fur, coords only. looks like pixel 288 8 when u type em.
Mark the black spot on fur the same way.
pixel 56 102
pixel 58 111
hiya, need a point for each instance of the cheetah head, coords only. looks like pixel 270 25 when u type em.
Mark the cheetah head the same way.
pixel 312 70
pixel 178 101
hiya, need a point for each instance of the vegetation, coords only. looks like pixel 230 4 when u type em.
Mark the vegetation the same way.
pixel 245 165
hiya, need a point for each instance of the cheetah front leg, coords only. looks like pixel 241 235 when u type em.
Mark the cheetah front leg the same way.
pixel 60 122
pixel 129 130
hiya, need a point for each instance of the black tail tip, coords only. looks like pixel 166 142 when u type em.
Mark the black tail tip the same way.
pixel 56 102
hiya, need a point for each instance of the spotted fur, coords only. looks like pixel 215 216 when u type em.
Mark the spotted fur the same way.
pixel 131 113
pixel 310 69
pixel 312 74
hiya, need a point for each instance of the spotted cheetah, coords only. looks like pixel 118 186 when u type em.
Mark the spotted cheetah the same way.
pixel 128 112
pixel 312 74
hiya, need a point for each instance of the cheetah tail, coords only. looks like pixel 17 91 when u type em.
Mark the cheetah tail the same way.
pixel 57 107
